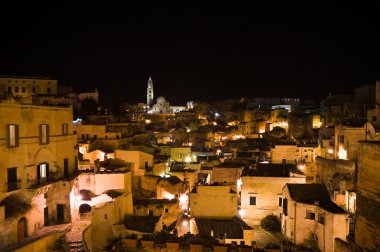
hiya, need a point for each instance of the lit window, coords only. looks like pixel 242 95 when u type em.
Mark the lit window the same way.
pixel 42 173
pixel 43 170
pixel 12 135
pixel 44 133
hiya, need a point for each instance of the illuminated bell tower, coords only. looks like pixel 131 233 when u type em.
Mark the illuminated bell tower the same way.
pixel 149 92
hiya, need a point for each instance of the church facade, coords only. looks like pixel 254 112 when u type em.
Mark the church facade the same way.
pixel 162 106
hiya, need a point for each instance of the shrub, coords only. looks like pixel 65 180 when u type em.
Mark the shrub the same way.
pixel 132 236
pixel 271 223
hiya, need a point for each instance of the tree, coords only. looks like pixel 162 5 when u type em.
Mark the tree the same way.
pixel 89 106
pixel 271 223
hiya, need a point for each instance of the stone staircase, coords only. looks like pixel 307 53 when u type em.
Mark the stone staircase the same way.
pixel 74 246
pixel 72 241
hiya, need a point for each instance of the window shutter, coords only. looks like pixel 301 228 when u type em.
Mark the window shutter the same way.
pixel 40 133
pixel 47 133
pixel 8 136
pixel 47 172
pixel 16 135
pixel 38 174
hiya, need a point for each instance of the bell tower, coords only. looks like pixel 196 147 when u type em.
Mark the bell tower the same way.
pixel 149 92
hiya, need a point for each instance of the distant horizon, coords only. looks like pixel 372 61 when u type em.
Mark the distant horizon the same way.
pixel 178 101
pixel 203 52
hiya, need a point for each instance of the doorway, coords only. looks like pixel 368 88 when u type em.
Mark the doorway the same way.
pixel 22 229
pixel 60 213
pixel 46 216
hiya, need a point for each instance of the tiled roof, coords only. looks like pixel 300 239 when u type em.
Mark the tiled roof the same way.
pixel 145 224
pixel 313 193
pixel 231 228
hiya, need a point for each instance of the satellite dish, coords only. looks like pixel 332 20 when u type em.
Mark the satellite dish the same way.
pixel 370 130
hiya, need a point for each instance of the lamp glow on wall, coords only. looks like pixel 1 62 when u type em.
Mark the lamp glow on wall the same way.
pixel 301 167
pixel 239 184
pixel 342 154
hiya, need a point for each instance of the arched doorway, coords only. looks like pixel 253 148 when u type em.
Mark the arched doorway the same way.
pixel 84 208
pixel 22 229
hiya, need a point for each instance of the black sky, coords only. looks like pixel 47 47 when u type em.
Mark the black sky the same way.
pixel 195 52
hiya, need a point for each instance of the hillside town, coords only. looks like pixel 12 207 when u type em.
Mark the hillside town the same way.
pixel 247 174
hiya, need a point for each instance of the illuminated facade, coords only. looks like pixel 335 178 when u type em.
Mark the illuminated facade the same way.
pixel 39 157
pixel 149 92
pixel 26 86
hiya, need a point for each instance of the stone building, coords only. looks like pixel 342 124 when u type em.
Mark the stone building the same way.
pixel 27 85
pixel 39 159
pixel 261 190
pixel 310 218
pixel 367 221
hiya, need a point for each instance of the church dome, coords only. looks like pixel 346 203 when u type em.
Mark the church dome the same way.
pixel 161 100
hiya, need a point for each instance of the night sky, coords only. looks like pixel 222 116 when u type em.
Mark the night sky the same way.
pixel 194 51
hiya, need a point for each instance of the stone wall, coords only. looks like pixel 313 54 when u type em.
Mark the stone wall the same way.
pixel 332 171
pixel 367 223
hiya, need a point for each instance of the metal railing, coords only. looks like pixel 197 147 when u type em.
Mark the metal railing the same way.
pixel 13 185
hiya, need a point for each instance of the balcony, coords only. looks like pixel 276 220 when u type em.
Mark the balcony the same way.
pixel 34 183
pixel 53 177
pixel 13 185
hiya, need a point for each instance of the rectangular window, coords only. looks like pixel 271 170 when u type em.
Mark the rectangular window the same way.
pixel 43 170
pixel 280 201
pixel 66 167
pixel 16 89
pixel 65 129
pixel 310 215
pixel 33 89
pixel 321 219
pixel 9 89
pixel 48 90
pixel 12 179
pixel 44 133
pixel 285 206
pixel 23 89
pixel 341 139
pixel 12 135
pixel 374 118
pixel 252 201
pixel 42 173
